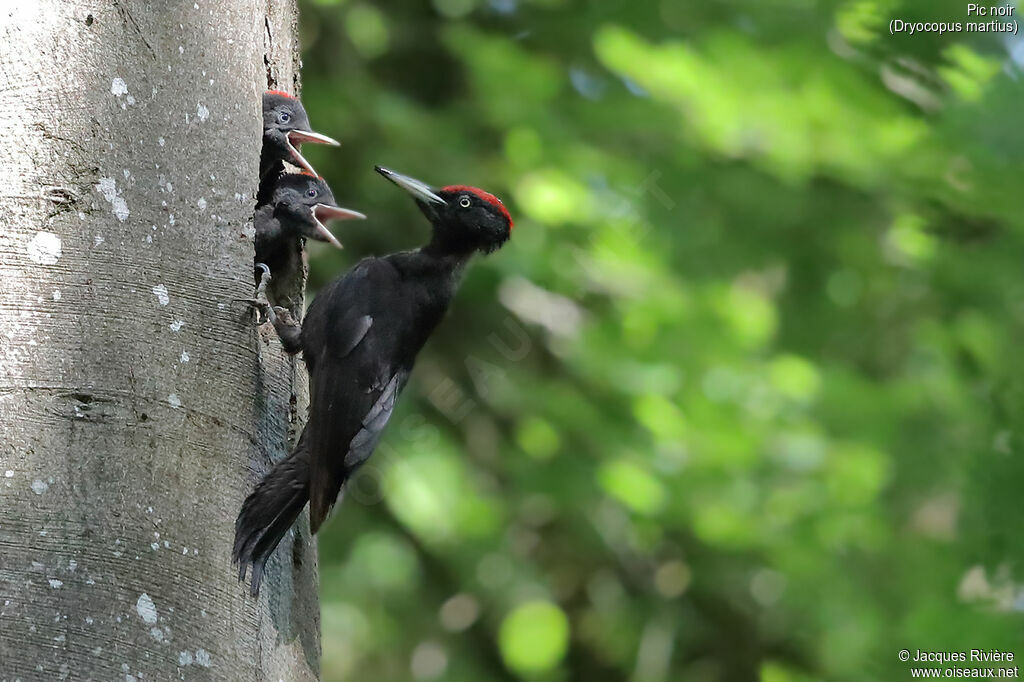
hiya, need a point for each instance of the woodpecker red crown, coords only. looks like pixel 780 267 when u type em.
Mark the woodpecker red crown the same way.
pixel 486 196
pixel 280 92
pixel 311 175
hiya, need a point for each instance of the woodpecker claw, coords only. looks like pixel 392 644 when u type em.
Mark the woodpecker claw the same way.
pixel 289 331
pixel 264 311
pixel 265 278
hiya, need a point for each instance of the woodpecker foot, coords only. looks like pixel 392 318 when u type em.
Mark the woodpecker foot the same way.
pixel 261 290
pixel 264 311
pixel 287 328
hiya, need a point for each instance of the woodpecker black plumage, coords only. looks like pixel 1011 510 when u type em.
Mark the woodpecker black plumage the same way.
pixel 360 338
pixel 298 207
pixel 285 127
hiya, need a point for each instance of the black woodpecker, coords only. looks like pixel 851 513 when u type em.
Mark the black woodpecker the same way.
pixel 285 128
pixel 298 207
pixel 360 338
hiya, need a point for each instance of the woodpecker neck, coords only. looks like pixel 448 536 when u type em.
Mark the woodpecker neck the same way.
pixel 435 261
pixel 443 246
pixel 444 260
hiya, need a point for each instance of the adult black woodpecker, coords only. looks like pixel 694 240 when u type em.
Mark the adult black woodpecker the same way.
pixel 359 339
pixel 298 206
pixel 285 128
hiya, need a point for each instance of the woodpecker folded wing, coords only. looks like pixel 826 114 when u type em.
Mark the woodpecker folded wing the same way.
pixel 353 386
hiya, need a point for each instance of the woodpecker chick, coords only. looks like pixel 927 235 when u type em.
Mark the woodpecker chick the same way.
pixel 285 128
pixel 299 206
pixel 360 338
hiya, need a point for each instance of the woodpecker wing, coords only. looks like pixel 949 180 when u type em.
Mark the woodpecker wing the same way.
pixel 355 377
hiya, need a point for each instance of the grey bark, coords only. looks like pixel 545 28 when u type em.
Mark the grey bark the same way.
pixel 138 403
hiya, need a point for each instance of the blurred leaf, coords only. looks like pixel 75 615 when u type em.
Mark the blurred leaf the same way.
pixel 633 486
pixel 534 637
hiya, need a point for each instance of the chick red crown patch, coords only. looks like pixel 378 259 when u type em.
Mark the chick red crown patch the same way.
pixel 281 93
pixel 486 196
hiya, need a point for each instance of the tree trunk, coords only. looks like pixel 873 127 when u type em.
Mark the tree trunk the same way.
pixel 138 403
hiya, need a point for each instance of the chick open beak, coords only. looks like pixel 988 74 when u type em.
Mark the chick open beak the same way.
pixel 297 137
pixel 300 136
pixel 419 190
pixel 323 213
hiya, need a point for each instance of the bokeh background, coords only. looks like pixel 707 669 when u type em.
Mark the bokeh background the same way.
pixel 742 398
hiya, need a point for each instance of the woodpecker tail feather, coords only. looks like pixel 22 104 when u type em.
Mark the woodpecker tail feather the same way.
pixel 268 513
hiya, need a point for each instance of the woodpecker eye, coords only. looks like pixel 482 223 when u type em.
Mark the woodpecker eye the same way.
pixel 311 193
pixel 464 201
pixel 284 117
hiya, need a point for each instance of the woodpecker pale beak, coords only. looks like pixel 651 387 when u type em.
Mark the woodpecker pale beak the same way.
pixel 323 213
pixel 419 190
pixel 297 137
pixel 300 136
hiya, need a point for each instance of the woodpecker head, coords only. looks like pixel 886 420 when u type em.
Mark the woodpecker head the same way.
pixel 286 127
pixel 464 218
pixel 303 203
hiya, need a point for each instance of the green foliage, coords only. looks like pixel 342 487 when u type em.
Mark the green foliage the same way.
pixel 739 400
pixel 534 637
